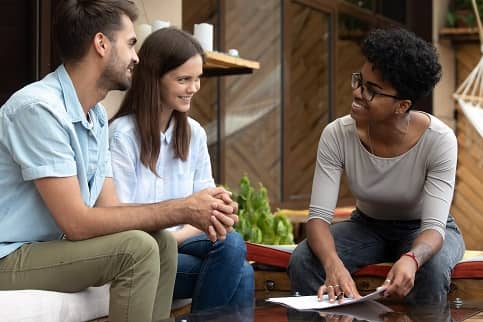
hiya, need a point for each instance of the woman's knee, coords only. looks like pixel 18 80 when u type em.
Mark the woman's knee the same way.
pixel 235 245
pixel 302 258
pixel 305 272
pixel 432 282
pixel 435 272
pixel 247 283
pixel 247 272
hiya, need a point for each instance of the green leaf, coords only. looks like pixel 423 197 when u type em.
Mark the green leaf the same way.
pixel 257 223
pixel 256 235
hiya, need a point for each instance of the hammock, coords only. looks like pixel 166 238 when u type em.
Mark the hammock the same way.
pixel 470 93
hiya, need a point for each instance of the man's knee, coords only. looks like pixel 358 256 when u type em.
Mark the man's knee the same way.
pixel 139 244
pixel 166 242
pixel 168 249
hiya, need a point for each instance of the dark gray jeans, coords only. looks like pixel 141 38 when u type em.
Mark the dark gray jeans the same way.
pixel 362 241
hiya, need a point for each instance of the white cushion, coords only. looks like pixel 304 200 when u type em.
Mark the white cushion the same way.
pixel 39 306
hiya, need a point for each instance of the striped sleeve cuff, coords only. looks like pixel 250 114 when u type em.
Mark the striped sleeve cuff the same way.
pixel 321 213
pixel 441 229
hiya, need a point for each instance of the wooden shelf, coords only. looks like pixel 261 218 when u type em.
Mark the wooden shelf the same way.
pixel 219 64
pixel 460 34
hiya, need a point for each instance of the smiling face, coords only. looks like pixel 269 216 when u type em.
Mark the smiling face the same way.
pixel 381 106
pixel 118 72
pixel 180 84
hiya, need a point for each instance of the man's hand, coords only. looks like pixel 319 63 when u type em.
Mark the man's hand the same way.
pixel 226 197
pixel 211 214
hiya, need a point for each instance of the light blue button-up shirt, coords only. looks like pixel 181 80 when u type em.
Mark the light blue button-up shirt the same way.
pixel 45 133
pixel 136 183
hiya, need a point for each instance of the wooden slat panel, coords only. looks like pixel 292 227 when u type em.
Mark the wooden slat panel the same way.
pixel 203 107
pixel 467 56
pixel 307 111
pixel 468 201
pixel 204 104
pixel 349 60
pixel 253 147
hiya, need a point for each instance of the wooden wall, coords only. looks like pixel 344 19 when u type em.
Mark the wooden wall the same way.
pixel 307 109
pixel 204 106
pixel 253 102
pixel 250 116
pixel 467 205
pixel 274 145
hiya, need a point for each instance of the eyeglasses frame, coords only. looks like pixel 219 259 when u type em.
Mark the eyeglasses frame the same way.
pixel 376 92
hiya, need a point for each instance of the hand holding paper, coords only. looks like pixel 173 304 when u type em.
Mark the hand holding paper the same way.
pixel 312 302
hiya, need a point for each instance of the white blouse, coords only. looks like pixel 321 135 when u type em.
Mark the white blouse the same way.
pixel 136 183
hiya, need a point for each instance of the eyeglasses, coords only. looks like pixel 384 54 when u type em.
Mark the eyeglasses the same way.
pixel 368 92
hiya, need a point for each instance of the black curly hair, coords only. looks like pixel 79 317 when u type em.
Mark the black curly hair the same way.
pixel 406 61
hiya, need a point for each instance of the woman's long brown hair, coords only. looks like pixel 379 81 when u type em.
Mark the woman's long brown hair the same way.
pixel 161 52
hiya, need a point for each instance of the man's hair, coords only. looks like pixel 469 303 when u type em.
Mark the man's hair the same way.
pixel 164 50
pixel 409 63
pixel 77 21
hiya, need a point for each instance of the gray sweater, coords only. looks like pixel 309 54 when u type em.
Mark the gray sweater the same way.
pixel 418 184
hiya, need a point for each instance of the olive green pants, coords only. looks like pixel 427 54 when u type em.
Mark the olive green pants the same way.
pixel 141 268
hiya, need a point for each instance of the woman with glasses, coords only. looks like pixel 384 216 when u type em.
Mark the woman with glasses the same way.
pixel 401 165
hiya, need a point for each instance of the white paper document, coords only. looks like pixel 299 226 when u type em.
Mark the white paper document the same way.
pixel 311 302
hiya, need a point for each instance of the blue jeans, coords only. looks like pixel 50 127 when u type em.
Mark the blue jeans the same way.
pixel 214 274
pixel 363 241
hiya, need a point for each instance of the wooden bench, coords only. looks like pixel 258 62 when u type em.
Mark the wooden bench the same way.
pixel 271 278
pixel 466 279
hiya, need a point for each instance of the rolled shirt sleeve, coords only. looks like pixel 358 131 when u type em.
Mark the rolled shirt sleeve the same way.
pixel 41 149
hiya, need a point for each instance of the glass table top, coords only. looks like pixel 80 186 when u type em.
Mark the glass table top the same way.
pixel 470 311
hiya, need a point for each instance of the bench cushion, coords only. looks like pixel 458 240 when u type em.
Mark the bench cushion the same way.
pixel 471 266
pixel 36 305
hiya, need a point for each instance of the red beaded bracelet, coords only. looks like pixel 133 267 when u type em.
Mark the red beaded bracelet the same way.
pixel 411 254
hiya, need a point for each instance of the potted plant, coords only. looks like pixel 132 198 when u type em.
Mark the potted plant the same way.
pixel 461 14
pixel 257 223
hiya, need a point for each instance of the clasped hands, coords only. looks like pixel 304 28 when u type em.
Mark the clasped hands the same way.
pixel 213 211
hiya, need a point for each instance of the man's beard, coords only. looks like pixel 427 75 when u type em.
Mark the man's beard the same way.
pixel 113 78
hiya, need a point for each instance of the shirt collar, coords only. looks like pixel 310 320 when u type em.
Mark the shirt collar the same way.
pixel 71 101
